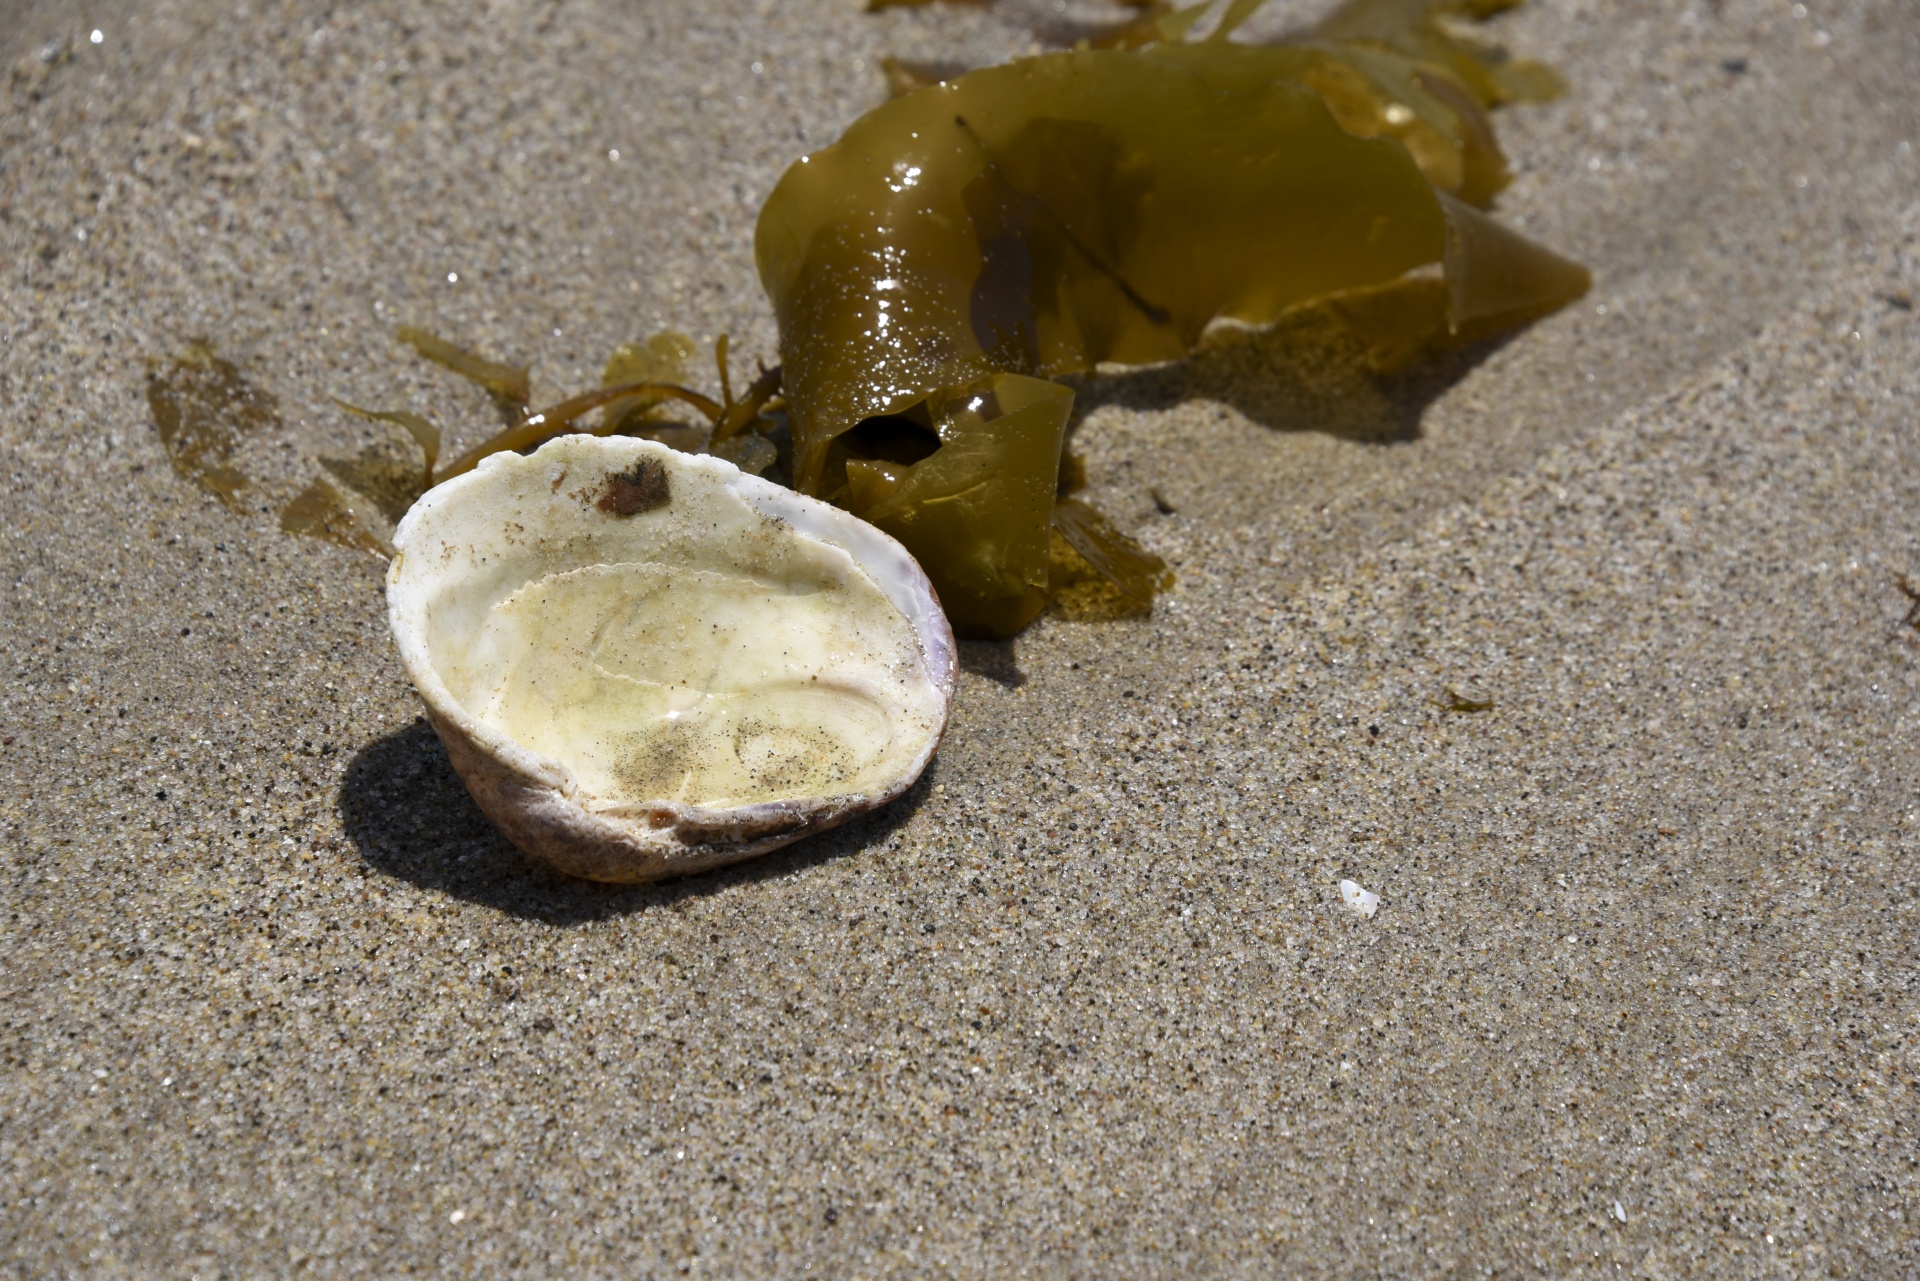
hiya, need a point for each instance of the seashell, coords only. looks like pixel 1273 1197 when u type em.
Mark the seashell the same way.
pixel 1362 901
pixel 645 663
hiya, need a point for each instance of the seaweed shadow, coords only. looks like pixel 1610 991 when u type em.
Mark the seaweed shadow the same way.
pixel 409 816
pixel 1305 373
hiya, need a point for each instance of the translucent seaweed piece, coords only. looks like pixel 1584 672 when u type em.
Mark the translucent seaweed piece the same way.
pixel 325 511
pixel 1401 73
pixel 627 405
pixel 1417 29
pixel 751 453
pixel 904 76
pixel 424 431
pixel 662 358
pixel 1131 568
pixel 381 474
pixel 1080 593
pixel 1380 93
pixel 557 420
pixel 507 383
pixel 1398 322
pixel 202 409
pixel 1157 24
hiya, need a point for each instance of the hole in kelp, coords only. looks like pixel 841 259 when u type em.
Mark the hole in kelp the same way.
pixel 904 438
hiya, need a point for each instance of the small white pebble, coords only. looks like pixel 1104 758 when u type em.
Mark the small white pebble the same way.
pixel 456 1216
pixel 1365 902
pixel 1619 1213
pixel 96 37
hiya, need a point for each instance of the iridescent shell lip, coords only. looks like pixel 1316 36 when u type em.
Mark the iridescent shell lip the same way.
pixel 536 801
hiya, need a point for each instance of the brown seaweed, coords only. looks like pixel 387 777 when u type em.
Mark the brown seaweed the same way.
pixel 964 243
pixel 1385 68
pixel 361 497
pixel 1418 29
pixel 325 511
pixel 1134 571
pixel 203 408
pixel 659 359
pixel 508 384
pixel 633 396
pixel 904 76
pixel 424 432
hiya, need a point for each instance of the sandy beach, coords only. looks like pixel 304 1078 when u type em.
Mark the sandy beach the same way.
pixel 1642 993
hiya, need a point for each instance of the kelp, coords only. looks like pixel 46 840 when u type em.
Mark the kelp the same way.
pixel 1386 68
pixel 965 243
pixel 734 428
pixel 360 498
pixel 1134 572
pixel 1426 32
pixel 904 75
pixel 662 358
pixel 965 479
pixel 203 409
pixel 1418 29
pixel 508 384
pixel 424 431
pixel 325 511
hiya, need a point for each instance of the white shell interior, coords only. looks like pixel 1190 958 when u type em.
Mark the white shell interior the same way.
pixel 655 627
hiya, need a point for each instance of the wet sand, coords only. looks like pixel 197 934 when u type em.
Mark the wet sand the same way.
pixel 1638 999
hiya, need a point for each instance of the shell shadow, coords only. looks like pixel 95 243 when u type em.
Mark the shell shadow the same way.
pixel 994 660
pixel 409 817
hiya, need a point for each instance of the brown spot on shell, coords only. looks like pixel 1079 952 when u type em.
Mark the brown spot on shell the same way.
pixel 641 488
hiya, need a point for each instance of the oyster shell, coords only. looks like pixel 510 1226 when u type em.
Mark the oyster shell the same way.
pixel 645 663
